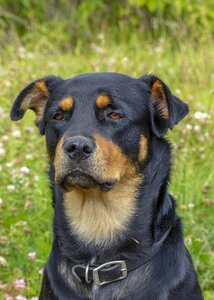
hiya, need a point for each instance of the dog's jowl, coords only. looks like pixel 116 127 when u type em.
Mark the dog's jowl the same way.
pixel 116 233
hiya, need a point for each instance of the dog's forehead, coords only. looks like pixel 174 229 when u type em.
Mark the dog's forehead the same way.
pixel 97 80
pixel 92 84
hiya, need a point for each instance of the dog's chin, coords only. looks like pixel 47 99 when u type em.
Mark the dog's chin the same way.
pixel 84 181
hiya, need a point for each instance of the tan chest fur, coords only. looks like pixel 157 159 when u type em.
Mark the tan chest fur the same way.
pixel 97 216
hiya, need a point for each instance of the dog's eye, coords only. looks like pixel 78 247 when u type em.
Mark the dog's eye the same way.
pixel 58 117
pixel 114 116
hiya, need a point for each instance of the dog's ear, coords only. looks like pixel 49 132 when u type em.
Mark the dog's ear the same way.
pixel 166 109
pixel 34 96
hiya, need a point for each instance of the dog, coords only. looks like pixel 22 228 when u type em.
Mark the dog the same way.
pixel 116 232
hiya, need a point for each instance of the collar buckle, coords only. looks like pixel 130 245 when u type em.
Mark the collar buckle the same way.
pixel 96 270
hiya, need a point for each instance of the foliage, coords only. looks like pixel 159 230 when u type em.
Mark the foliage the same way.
pixel 76 19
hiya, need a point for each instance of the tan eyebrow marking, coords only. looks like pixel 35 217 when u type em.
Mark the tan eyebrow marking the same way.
pixel 66 103
pixel 103 101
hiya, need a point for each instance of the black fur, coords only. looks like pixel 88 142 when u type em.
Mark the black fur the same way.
pixel 169 275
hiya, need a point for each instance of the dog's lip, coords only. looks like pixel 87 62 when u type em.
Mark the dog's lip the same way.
pixel 76 174
pixel 104 185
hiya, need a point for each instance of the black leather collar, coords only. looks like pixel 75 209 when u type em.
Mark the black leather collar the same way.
pixel 115 270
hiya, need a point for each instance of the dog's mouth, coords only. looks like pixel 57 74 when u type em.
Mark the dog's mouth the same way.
pixel 85 181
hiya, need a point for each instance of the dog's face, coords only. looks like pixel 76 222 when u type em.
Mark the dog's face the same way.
pixel 98 126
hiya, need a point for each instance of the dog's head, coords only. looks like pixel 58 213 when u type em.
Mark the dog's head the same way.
pixel 99 125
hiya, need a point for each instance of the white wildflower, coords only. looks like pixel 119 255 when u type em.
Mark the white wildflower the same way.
pixel 1 111
pixel 9 164
pixel 3 261
pixel 5 138
pixel 9 298
pixel 191 205
pixel 20 297
pixel 200 115
pixel 197 128
pixel 19 284
pixel 189 126
pixel 178 91
pixel 11 187
pixel 32 255
pixel 25 170
pixel 16 133
pixel 41 271
pixel 2 152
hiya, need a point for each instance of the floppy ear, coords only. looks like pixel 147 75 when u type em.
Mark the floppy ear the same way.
pixel 166 109
pixel 34 96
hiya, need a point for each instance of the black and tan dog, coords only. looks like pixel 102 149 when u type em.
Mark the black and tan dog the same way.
pixel 116 234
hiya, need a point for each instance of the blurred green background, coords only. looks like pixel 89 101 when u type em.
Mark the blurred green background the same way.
pixel 174 40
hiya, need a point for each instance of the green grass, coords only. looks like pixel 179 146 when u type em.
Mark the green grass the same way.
pixel 26 212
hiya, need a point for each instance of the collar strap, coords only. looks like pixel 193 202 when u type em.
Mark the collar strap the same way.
pixel 114 270
pixel 103 274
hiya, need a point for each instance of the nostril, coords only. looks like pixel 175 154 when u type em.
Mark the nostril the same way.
pixel 87 149
pixel 71 148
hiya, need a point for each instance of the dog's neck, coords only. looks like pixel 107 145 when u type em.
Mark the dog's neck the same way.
pixel 96 216
pixel 98 221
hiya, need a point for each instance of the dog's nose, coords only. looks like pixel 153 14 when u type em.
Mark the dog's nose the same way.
pixel 79 148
